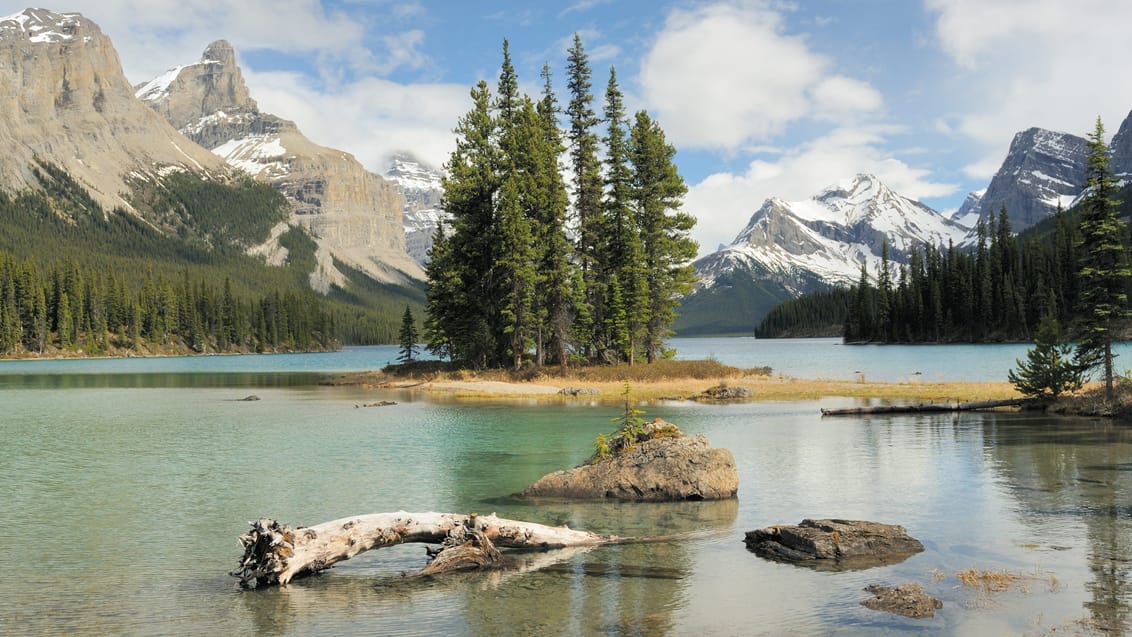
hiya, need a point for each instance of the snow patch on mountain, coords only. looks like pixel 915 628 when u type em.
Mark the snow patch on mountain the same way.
pixel 829 237
pixel 422 188
pixel 255 155
pixel 40 26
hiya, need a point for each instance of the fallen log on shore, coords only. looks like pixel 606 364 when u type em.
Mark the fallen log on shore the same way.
pixel 932 407
pixel 275 553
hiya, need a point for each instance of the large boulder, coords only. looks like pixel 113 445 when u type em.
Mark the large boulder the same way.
pixel 835 544
pixel 667 468
pixel 908 600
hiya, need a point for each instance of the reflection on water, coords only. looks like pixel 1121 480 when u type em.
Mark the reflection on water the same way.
pixel 1080 469
pixel 123 500
pixel 166 380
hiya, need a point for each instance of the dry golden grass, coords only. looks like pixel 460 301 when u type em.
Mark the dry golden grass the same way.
pixel 666 379
pixel 1002 581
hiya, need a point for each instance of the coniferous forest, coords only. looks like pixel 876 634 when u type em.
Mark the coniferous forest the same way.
pixel 77 280
pixel 520 274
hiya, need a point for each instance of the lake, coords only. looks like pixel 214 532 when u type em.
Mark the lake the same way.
pixel 126 484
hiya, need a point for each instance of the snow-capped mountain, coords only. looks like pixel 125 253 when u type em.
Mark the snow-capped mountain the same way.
pixel 354 215
pixel 1042 170
pixel 792 247
pixel 828 237
pixel 420 185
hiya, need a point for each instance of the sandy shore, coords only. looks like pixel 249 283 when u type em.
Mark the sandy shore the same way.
pixel 762 387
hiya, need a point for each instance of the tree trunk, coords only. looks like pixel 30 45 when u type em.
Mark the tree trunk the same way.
pixel 275 553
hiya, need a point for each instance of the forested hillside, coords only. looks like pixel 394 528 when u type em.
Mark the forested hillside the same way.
pixel 74 278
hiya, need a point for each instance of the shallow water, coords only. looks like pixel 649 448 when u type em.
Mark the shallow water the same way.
pixel 125 493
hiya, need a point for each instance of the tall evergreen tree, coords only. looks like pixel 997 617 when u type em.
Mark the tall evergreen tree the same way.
pixel 1103 267
pixel 408 337
pixel 657 194
pixel 623 252
pixel 587 190
pixel 556 296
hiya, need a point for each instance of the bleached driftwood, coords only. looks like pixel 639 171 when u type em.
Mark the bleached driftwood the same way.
pixel 275 553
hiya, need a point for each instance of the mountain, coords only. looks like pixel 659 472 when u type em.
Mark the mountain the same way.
pixel 420 186
pixel 1043 169
pixel 968 213
pixel 1121 147
pixel 790 248
pixel 355 216
pixel 67 102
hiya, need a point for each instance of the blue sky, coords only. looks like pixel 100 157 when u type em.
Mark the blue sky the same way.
pixel 760 97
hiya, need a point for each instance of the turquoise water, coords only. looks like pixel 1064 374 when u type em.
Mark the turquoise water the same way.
pixel 123 501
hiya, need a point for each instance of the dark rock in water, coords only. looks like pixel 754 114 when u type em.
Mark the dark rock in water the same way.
pixel 724 392
pixel 251 398
pixel 835 544
pixel 662 469
pixel 908 600
pixel 579 391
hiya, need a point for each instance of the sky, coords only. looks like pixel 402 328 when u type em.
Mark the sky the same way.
pixel 761 98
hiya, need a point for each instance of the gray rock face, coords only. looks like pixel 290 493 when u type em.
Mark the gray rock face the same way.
pixel 835 544
pixel 65 100
pixel 657 470
pixel 353 214
pixel 420 184
pixel 1042 169
pixel 1121 146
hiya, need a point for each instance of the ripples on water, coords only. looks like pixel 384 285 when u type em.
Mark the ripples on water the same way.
pixel 124 498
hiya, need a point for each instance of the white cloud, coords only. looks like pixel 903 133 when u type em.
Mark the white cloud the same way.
pixel 1024 63
pixel 723 202
pixel 724 76
pixel 371 118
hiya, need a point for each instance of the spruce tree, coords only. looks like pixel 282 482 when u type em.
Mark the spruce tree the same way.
pixel 1103 269
pixel 657 194
pixel 557 286
pixel 1049 369
pixel 623 251
pixel 408 337
pixel 587 190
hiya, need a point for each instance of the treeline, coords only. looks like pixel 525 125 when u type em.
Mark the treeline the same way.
pixel 68 308
pixel 507 281
pixel 811 315
pixel 61 229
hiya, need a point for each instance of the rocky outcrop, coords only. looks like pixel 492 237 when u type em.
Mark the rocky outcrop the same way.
pixel 670 468
pixel 1121 147
pixel 353 214
pixel 65 100
pixel 908 600
pixel 1042 170
pixel 724 392
pixel 835 544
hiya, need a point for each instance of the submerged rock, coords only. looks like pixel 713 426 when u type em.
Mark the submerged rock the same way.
pixel 835 544
pixel 667 468
pixel 908 600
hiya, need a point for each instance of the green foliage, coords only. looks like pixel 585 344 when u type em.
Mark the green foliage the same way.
pixel 1104 273
pixel 1049 369
pixel 407 337
pixel 136 269
pixel 631 430
pixel 505 279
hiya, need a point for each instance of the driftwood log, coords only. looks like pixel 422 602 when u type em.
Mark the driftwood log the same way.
pixel 931 407
pixel 275 553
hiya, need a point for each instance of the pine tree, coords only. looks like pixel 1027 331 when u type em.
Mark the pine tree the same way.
pixel 557 291
pixel 657 194
pixel 1103 268
pixel 587 188
pixel 408 337
pixel 1049 369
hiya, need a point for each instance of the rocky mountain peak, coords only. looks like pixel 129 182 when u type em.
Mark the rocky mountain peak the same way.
pixel 1121 146
pixel 187 95
pixel 1042 170
pixel 66 100
pixel 420 184
pixel 353 214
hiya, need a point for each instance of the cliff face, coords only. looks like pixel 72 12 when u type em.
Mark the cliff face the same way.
pixel 65 100
pixel 353 214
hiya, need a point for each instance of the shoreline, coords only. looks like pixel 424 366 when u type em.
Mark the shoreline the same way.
pixel 762 387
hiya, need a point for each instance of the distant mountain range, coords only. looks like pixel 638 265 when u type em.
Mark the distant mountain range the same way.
pixel 791 248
